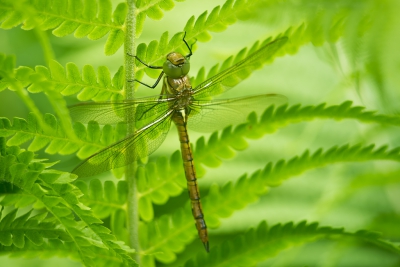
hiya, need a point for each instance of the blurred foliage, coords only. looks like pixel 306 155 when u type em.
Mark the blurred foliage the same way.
pixel 338 135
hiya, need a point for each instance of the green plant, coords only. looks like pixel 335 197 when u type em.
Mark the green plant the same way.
pixel 256 213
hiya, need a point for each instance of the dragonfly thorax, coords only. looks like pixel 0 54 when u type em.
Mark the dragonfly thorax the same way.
pixel 176 85
pixel 183 99
pixel 176 65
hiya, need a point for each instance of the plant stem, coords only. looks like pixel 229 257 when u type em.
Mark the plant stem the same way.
pixel 133 201
pixel 46 45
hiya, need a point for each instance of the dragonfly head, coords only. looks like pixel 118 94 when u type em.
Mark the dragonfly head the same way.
pixel 176 65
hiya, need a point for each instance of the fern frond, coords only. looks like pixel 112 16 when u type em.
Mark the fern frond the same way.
pixel 69 81
pixel 61 199
pixel 89 139
pixel 91 18
pixel 336 112
pixel 166 236
pixel 8 80
pixel 152 9
pixel 100 236
pixel 234 196
pixel 285 116
pixel 107 200
pixel 171 232
pixel 218 20
pixel 152 186
pixel 51 248
pixel 56 81
pixel 221 17
pixel 273 119
pixel 13 196
pixel 7 65
pixel 35 228
pixel 221 202
pixel 263 242
pixel 57 248
pixel 160 180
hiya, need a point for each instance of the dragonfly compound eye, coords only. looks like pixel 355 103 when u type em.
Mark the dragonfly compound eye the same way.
pixel 176 65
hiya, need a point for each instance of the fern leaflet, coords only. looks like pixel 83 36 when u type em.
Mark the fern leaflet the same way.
pixel 91 18
pixel 14 230
pixel 263 242
pixel 221 202
pixel 55 191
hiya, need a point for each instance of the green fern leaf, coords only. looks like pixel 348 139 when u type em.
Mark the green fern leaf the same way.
pixel 267 58
pixel 7 64
pixel 219 19
pixel 69 81
pixel 15 230
pixel 53 247
pixel 155 53
pixel 222 202
pixel 167 235
pixel 161 180
pixel 152 9
pixel 247 190
pixel 59 197
pixel 107 200
pixel 298 35
pixel 271 120
pixel 12 196
pixel 152 176
pixel 89 140
pixel 58 81
pixel 103 199
pixel 91 18
pixel 263 242
pixel 219 203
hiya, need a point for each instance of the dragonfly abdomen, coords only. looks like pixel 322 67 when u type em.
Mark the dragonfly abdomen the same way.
pixel 190 174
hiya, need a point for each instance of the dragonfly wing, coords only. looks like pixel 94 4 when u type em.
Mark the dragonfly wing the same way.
pixel 212 115
pixel 113 112
pixel 230 77
pixel 138 145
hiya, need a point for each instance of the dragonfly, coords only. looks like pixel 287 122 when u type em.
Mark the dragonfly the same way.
pixel 181 104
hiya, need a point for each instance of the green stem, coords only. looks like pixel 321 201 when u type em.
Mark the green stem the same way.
pixel 56 100
pixel 24 95
pixel 45 43
pixel 133 200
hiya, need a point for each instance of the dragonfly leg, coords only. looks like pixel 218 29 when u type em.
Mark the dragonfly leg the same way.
pixel 150 86
pixel 151 67
pixel 163 90
pixel 141 61
pixel 187 45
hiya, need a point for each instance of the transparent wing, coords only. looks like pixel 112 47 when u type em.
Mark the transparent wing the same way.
pixel 230 77
pixel 142 143
pixel 212 115
pixel 112 112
